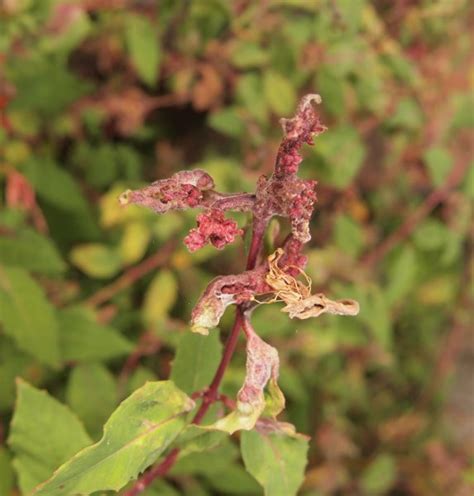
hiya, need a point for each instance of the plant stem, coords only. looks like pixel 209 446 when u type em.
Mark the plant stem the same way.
pixel 211 395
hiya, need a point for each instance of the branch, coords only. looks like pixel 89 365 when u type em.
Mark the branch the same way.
pixel 411 222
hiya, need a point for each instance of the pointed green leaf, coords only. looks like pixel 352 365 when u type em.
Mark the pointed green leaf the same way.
pixel 31 251
pixel 276 460
pixel 144 48
pixel 135 435
pixel 44 433
pixel 92 394
pixel 27 316
pixel 83 339
pixel 197 358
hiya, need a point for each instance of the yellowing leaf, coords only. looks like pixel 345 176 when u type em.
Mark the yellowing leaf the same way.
pixel 96 260
pixel 134 242
pixel 160 297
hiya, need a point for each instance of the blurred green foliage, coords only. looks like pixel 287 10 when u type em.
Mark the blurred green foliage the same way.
pixel 97 97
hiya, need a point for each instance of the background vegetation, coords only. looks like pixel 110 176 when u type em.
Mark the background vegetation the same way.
pixel 99 96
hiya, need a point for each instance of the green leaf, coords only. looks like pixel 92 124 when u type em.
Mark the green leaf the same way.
pixel 246 54
pixel 439 162
pixel 27 316
pixel 160 296
pixel 407 115
pixel 196 361
pixel 45 85
pixel 196 438
pixel 348 235
pixel 342 152
pixel 135 435
pixel 43 434
pixel 92 393
pixel 96 260
pixel 14 363
pixel 143 47
pixel 7 476
pixel 379 476
pixel 431 235
pixel 83 339
pixel 228 122
pixel 401 275
pixel 279 93
pixel 276 460
pixel 330 85
pixel 31 251
pixel 55 185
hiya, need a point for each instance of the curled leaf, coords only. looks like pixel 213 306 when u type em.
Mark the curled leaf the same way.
pixel 300 303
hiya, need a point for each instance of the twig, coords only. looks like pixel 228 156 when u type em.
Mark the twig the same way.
pixel 210 395
pixel 148 344
pixel 132 274
pixel 430 203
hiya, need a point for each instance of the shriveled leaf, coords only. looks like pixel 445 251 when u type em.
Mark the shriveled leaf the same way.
pixel 96 260
pixel 83 339
pixel 27 316
pixel 31 251
pixel 196 361
pixel 276 460
pixel 160 297
pixel 92 395
pixel 44 433
pixel 135 435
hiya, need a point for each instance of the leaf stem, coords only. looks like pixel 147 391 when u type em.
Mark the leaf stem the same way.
pixel 211 395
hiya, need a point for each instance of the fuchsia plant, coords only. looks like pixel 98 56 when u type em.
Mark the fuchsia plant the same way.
pixel 265 280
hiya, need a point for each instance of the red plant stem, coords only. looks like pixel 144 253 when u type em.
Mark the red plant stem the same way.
pixel 211 394
pixel 430 203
